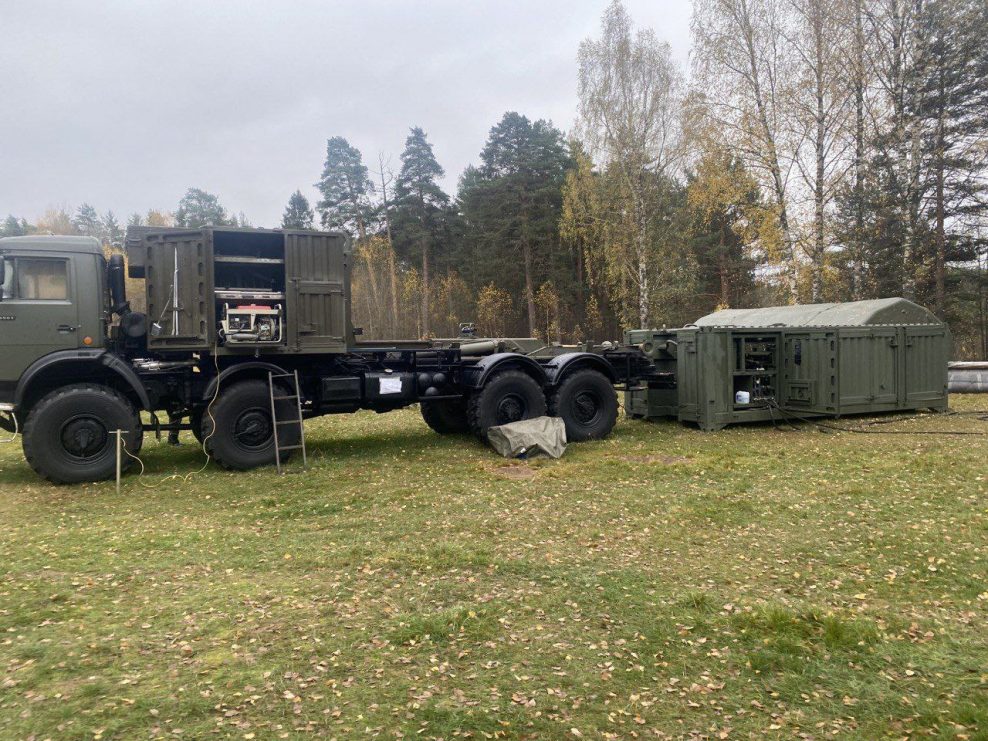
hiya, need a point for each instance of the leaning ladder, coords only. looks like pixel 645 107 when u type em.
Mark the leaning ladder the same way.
pixel 277 423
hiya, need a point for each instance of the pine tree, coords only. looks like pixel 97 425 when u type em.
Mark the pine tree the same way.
pixel 199 208
pixel 13 227
pixel 87 222
pixel 420 208
pixel 513 205
pixel 112 233
pixel 345 189
pixel 298 214
pixel 952 111
pixel 726 220
pixel 918 203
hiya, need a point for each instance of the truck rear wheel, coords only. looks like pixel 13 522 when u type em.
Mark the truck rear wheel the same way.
pixel 587 404
pixel 510 396
pixel 244 431
pixel 68 434
pixel 447 417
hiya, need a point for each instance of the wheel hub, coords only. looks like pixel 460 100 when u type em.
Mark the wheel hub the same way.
pixel 84 436
pixel 585 408
pixel 510 409
pixel 253 429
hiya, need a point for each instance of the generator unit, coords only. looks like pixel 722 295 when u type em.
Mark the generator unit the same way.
pixel 784 362
pixel 256 324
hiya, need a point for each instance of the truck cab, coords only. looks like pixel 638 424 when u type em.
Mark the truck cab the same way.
pixel 53 300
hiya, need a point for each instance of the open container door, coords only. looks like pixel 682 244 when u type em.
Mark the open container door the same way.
pixel 179 273
pixel 316 277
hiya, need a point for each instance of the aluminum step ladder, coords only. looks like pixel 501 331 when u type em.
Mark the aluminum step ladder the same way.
pixel 278 423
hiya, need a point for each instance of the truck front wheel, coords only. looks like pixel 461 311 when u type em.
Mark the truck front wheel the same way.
pixel 447 417
pixel 510 396
pixel 68 434
pixel 244 431
pixel 587 404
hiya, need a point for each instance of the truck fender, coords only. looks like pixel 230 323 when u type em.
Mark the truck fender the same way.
pixel 561 365
pixel 82 357
pixel 254 369
pixel 475 376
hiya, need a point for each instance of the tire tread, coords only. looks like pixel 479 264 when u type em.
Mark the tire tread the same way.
pixel 30 445
pixel 556 404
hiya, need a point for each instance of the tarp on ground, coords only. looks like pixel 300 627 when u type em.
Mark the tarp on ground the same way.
pixel 529 438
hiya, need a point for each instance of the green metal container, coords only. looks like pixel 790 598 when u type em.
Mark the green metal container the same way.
pixel 192 274
pixel 748 365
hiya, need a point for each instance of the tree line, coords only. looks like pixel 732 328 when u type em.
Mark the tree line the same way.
pixel 815 150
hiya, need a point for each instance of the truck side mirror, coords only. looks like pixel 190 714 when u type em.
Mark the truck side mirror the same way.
pixel 3 275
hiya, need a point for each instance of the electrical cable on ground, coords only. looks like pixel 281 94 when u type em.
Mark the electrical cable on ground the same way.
pixel 837 428
pixel 212 430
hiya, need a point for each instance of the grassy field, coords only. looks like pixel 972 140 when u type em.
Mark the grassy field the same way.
pixel 752 583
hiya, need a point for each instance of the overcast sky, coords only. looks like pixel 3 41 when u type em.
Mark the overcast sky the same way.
pixel 126 104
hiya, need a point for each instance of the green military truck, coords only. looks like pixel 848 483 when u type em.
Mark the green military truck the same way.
pixel 244 332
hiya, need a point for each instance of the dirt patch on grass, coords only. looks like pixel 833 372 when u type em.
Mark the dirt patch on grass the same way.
pixel 514 472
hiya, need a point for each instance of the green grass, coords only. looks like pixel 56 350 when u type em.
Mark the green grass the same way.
pixel 750 583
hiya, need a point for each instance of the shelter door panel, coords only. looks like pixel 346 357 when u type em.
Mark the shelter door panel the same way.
pixel 809 371
pixel 884 366
pixel 315 274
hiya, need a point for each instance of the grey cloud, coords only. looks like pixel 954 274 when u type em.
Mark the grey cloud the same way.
pixel 125 104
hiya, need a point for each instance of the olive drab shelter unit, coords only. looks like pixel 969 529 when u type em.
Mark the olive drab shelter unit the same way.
pixel 299 280
pixel 747 365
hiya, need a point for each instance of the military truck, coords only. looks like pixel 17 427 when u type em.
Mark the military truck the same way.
pixel 244 332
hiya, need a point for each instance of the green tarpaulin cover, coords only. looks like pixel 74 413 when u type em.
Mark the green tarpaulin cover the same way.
pixel 529 438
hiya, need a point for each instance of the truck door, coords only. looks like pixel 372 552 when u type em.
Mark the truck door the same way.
pixel 39 312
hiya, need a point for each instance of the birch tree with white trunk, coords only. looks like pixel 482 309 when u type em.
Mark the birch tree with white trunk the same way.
pixel 742 68
pixel 629 89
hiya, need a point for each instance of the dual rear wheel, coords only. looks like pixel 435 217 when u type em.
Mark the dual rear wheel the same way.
pixel 585 401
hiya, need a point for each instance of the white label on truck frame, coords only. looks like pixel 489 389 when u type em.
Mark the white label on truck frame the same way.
pixel 390 386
